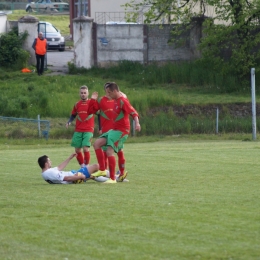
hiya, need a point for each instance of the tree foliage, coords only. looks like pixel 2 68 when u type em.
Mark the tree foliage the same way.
pixel 231 35
pixel 12 54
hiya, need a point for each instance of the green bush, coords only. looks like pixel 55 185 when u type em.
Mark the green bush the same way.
pixel 12 54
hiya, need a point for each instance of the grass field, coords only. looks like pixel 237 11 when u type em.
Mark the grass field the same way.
pixel 185 200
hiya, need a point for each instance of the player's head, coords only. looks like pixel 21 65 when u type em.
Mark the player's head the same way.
pixel 112 89
pixel 83 92
pixel 43 160
pixel 106 85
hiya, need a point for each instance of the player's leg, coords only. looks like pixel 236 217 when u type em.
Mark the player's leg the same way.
pixel 79 157
pixel 87 170
pixel 77 144
pixel 112 146
pixel 111 162
pixel 100 155
pixel 92 168
pixel 104 148
pixel 121 159
pixel 86 143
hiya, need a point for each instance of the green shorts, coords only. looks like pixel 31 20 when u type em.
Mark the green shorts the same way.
pixel 115 139
pixel 81 139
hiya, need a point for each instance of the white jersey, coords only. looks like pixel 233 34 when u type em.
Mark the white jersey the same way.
pixel 54 176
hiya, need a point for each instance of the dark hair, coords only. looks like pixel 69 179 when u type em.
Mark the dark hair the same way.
pixel 111 85
pixel 42 160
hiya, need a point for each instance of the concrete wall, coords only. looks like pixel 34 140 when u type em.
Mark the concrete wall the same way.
pixel 3 21
pixel 143 44
pixel 159 48
pixel 10 25
pixel 29 24
pixel 83 46
pixel 119 42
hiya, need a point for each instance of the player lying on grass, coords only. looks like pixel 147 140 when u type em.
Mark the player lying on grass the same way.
pixel 56 175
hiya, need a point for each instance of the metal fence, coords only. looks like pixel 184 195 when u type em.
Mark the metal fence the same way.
pixel 11 127
pixel 10 6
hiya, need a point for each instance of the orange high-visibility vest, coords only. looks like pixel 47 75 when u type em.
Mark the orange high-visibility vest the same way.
pixel 40 46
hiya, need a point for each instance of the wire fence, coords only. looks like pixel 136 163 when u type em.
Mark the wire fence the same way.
pixel 12 127
pixel 53 128
pixel 11 6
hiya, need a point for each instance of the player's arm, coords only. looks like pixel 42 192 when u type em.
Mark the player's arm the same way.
pixel 93 105
pixel 137 124
pixel 72 117
pixel 133 113
pixel 74 177
pixel 64 164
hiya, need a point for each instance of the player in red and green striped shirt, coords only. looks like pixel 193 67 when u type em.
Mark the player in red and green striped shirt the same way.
pixel 115 138
pixel 105 116
pixel 84 127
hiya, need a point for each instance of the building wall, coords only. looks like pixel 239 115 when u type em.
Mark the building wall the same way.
pixel 104 6
pixel 103 12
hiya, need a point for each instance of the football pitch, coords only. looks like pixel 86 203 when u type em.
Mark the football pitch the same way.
pixel 184 200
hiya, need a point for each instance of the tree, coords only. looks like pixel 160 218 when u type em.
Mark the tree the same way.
pixel 231 35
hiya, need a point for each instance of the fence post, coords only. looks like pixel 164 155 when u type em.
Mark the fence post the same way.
pixel 217 113
pixel 253 103
pixel 39 126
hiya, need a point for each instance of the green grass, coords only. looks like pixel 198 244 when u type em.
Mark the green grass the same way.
pixel 185 200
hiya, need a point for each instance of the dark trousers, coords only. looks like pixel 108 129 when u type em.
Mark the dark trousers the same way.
pixel 40 63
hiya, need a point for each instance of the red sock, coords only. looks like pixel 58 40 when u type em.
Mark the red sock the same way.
pixel 86 157
pixel 121 161
pixel 100 159
pixel 112 166
pixel 80 158
pixel 105 156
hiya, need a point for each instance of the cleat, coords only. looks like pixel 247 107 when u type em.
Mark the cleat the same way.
pixel 99 173
pixel 125 180
pixel 122 177
pixel 109 181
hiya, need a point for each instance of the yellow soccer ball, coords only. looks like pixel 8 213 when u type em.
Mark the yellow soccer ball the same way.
pixel 78 181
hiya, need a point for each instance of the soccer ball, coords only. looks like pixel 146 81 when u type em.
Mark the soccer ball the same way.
pixel 78 181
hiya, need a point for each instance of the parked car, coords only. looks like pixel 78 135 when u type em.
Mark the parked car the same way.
pixel 55 40
pixel 47 6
